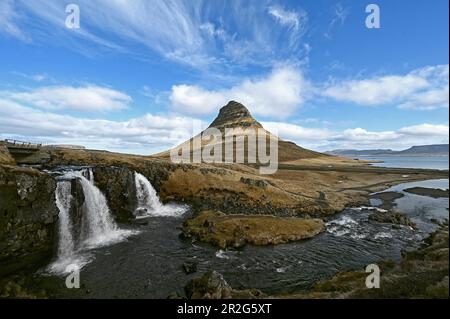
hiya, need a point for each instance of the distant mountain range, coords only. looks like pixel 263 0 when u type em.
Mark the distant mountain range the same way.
pixel 421 150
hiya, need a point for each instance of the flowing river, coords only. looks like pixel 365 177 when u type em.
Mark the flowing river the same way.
pixel 145 259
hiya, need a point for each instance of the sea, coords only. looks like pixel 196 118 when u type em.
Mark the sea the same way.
pixel 429 162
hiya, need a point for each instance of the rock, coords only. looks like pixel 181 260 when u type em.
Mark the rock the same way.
pixel 234 114
pixel 190 267
pixel 254 182
pixel 394 218
pixel 322 196
pixel 174 295
pixel 118 186
pixel 28 219
pixel 5 156
pixel 212 285
pixel 430 192
pixel 238 230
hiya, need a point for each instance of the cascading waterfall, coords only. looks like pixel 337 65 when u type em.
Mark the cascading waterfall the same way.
pixel 148 203
pixel 66 244
pixel 97 225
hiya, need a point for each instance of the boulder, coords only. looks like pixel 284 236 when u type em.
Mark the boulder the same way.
pixel 190 267
pixel 212 285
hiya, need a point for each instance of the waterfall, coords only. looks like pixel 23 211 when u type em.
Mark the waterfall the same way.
pixel 66 245
pixel 148 203
pixel 67 251
pixel 98 227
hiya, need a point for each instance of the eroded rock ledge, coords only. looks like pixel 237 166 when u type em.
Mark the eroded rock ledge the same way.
pixel 28 219
pixel 238 230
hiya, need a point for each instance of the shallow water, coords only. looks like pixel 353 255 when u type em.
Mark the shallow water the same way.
pixel 420 208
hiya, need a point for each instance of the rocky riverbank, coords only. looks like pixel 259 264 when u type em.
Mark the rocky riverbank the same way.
pixel 422 273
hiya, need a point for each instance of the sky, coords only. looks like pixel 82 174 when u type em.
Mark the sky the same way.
pixel 136 75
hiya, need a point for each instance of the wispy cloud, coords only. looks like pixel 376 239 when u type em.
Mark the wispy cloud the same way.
pixel 202 34
pixel 423 89
pixel 8 21
pixel 295 21
pixel 339 15
pixel 33 77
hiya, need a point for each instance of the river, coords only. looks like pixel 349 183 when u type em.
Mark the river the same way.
pixel 148 262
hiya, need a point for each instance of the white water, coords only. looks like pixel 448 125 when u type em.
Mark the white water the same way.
pixel 97 225
pixel 63 200
pixel 148 203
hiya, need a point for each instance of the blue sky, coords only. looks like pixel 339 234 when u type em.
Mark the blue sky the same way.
pixel 137 73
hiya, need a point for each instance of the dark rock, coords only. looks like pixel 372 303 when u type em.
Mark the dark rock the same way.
pixel 28 219
pixel 254 182
pixel 430 192
pixel 190 267
pixel 234 114
pixel 211 285
pixel 118 186
pixel 394 218
pixel 322 196
pixel 174 295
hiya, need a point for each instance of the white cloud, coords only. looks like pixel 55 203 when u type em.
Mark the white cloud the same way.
pixel 277 95
pixel 359 138
pixel 88 98
pixel 425 130
pixel 153 133
pixel 144 135
pixel 425 88
pixel 295 132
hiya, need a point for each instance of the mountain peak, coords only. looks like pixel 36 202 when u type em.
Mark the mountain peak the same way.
pixel 234 114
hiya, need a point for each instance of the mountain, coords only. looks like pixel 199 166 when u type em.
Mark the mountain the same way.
pixel 236 116
pixel 435 149
pixel 421 150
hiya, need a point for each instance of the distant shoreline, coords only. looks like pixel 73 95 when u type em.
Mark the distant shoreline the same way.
pixel 400 155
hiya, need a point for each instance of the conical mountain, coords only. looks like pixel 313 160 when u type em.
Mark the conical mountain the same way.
pixel 236 116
